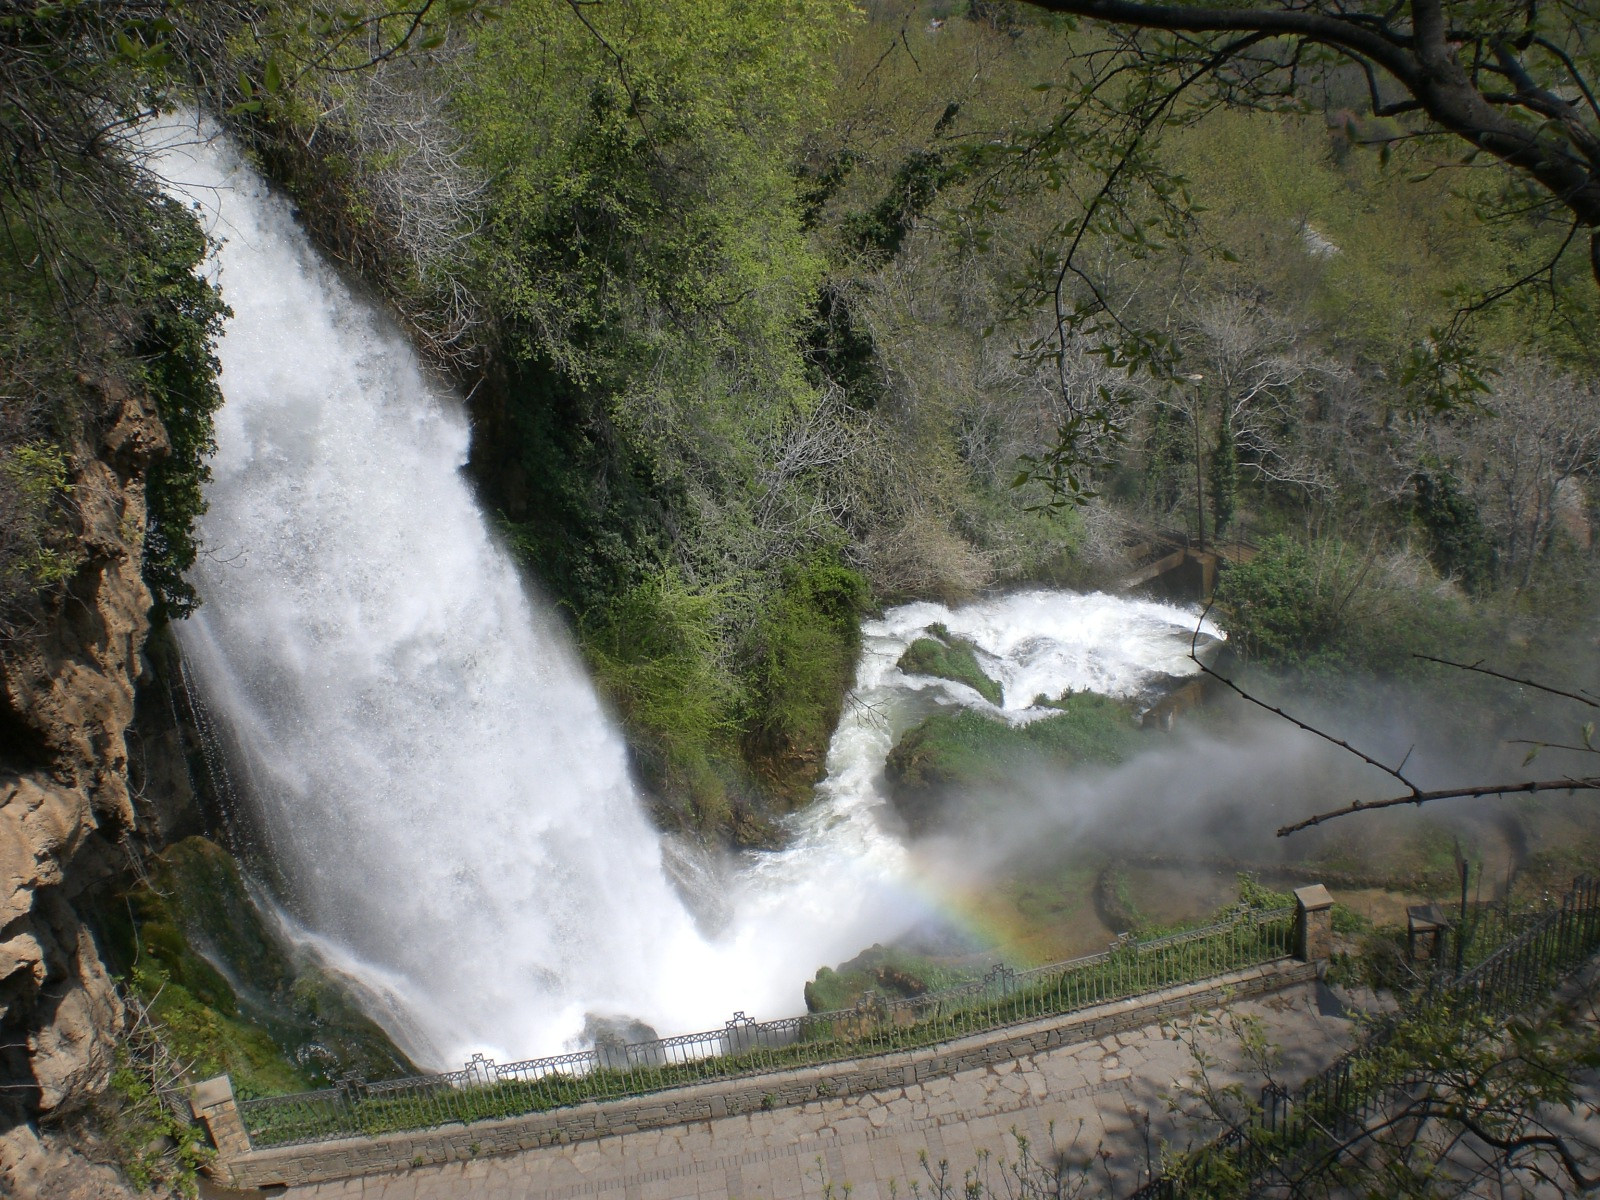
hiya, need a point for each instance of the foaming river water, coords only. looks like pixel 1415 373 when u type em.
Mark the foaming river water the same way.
pixel 445 803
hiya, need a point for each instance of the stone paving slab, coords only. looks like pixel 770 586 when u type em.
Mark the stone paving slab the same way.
pixel 1107 1102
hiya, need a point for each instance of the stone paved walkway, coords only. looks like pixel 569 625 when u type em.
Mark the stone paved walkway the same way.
pixel 1105 1102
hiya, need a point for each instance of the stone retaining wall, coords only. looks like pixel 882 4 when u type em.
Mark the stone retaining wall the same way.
pixel 324 1161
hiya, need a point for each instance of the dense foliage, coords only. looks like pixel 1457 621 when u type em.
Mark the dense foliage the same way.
pixel 771 310
pixel 183 316
pixel 99 278
pixel 728 285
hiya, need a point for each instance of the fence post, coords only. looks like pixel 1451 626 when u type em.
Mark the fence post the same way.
pixel 1313 923
pixel 212 1104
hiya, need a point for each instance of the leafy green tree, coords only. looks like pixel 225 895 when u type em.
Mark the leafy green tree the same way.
pixel 1458 542
pixel 641 190
pixel 1283 606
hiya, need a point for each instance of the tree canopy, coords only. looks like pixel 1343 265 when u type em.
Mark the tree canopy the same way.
pixel 1515 81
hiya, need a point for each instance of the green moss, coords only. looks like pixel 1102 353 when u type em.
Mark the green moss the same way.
pixel 272 1023
pixel 946 656
pixel 968 756
pixel 804 653
pixel 212 1040
pixel 655 652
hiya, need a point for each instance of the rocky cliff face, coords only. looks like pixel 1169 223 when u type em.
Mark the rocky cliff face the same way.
pixel 67 685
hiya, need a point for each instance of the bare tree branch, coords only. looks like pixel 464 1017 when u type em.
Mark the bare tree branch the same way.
pixel 1580 697
pixel 1569 784
pixel 1293 720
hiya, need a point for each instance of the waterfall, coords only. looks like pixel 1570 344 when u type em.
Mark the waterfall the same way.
pixel 444 802
pixel 439 789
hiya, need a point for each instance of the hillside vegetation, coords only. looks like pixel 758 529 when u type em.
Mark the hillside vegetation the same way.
pixel 746 300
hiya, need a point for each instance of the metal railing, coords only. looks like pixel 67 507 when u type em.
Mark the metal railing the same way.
pixel 1291 1128
pixel 484 1089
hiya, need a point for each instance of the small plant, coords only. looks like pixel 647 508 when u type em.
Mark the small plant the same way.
pixel 146 1114
pixel 1257 897
pixel 35 549
pixel 1348 922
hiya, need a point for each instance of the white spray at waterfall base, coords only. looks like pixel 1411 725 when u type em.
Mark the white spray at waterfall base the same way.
pixel 443 797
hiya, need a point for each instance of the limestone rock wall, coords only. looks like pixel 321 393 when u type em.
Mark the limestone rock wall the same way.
pixel 67 683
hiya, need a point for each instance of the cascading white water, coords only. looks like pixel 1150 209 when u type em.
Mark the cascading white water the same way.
pixel 846 871
pixel 439 787
pixel 441 792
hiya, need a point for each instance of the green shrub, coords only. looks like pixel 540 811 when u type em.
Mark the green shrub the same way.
pixel 804 649
pixel 36 549
pixel 1459 545
pixel 1321 610
pixel 1282 607
pixel 656 652
pixel 1257 897
pixel 183 314
pixel 158 1149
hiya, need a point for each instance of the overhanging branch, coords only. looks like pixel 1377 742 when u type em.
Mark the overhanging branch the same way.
pixel 1582 783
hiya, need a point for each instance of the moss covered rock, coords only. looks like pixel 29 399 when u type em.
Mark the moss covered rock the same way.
pixel 228 993
pixel 946 656
pixel 958 764
pixel 888 971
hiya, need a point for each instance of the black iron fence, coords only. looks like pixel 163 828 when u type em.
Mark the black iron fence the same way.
pixel 1292 1128
pixel 876 1025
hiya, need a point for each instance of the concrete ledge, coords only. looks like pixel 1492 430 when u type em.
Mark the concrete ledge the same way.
pixel 321 1162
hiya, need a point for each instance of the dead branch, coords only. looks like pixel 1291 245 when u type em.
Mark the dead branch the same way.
pixel 1580 697
pixel 1293 720
pixel 1570 784
pixel 1414 794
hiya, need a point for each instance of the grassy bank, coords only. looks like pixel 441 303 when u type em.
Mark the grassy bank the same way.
pixel 223 991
